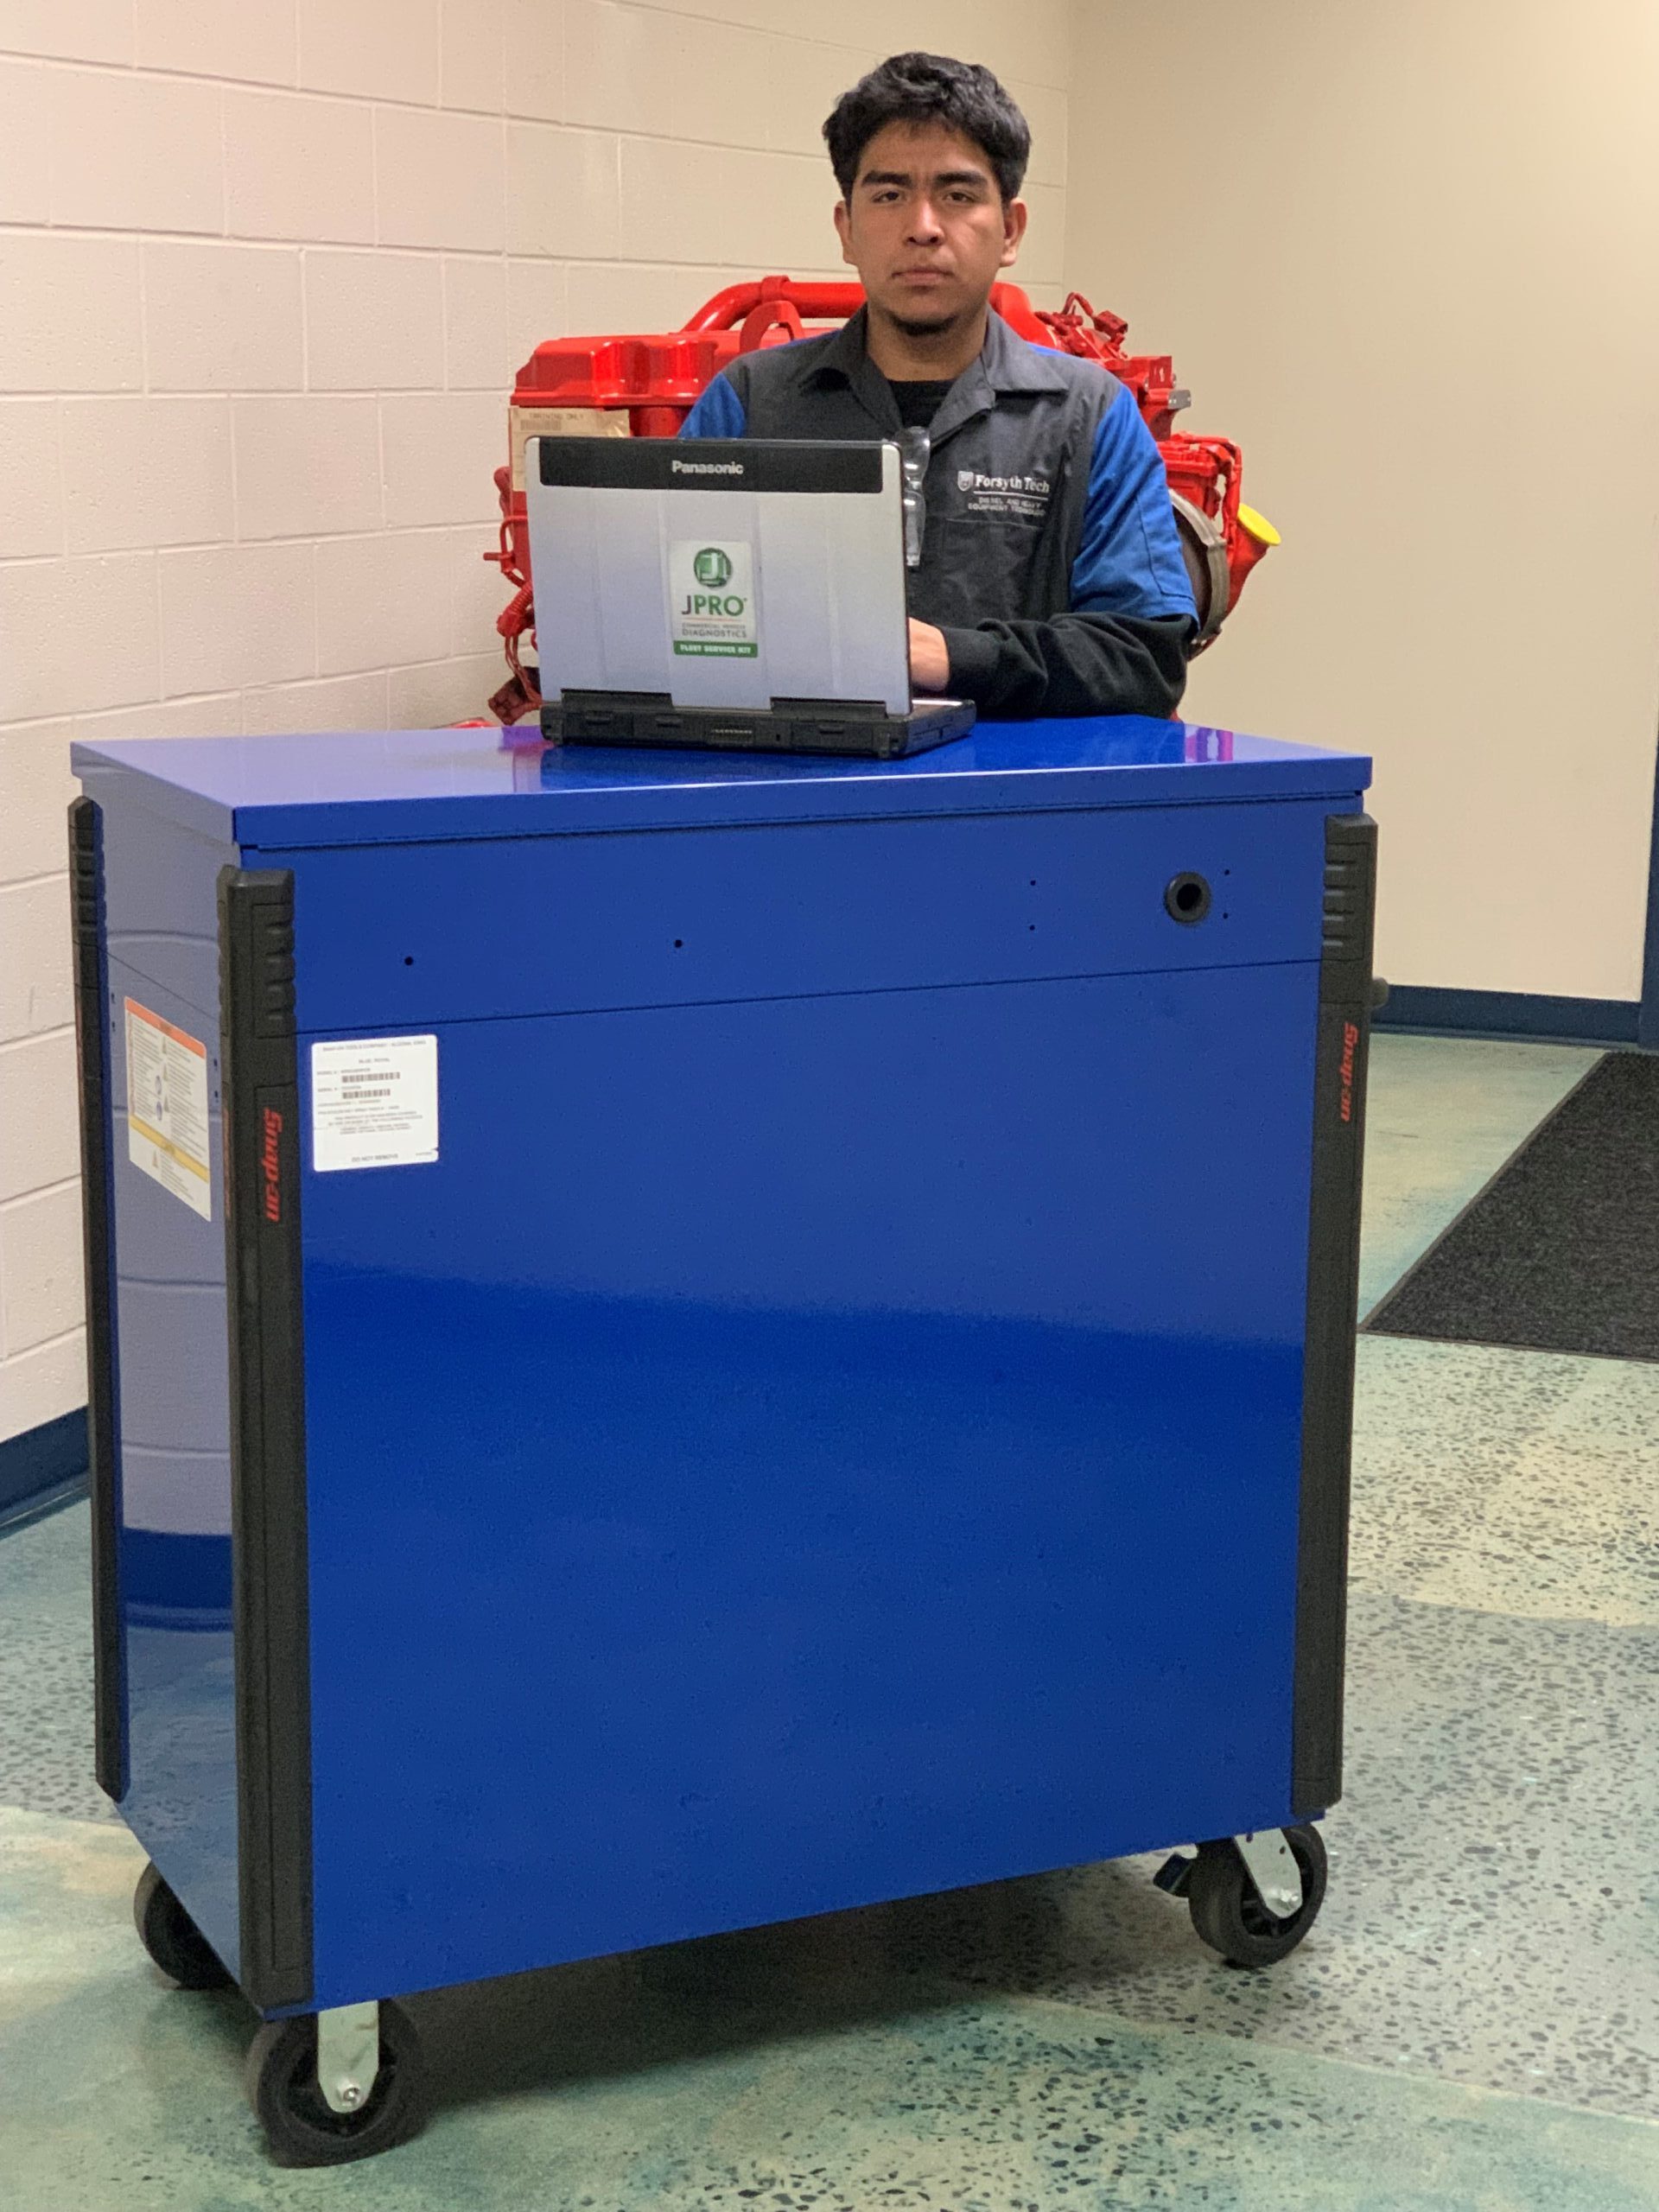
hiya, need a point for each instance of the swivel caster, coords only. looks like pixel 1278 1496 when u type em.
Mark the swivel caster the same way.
pixel 172 1938
pixel 328 2087
pixel 1252 1898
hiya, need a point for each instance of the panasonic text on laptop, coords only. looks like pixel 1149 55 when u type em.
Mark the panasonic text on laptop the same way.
pixel 743 593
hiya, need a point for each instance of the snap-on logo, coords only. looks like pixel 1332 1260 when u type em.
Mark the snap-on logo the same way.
pixel 1346 1068
pixel 270 1164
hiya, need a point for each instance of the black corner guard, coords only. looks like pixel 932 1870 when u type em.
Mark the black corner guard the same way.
pixel 92 1059
pixel 259 1078
pixel 1345 1022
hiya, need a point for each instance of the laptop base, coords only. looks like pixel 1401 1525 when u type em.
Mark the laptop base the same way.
pixel 859 728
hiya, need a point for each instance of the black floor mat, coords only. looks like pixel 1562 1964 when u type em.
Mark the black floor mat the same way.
pixel 1561 1251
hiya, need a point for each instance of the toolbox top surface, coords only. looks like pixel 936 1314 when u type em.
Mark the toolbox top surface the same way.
pixel 367 786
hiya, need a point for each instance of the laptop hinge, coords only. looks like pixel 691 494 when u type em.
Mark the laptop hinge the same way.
pixel 840 711
pixel 628 715
pixel 625 702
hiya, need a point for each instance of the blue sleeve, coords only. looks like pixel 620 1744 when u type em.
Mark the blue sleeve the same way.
pixel 1129 558
pixel 718 413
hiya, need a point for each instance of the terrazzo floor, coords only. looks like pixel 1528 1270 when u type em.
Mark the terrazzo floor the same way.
pixel 1472 2026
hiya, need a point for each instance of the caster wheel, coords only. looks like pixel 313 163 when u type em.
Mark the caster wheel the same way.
pixel 300 2127
pixel 172 1938
pixel 1231 1918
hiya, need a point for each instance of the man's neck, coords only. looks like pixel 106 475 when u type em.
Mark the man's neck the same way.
pixel 925 356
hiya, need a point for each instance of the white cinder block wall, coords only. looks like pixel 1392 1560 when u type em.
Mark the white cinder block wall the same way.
pixel 265 272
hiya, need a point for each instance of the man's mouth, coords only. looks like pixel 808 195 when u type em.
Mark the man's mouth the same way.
pixel 923 276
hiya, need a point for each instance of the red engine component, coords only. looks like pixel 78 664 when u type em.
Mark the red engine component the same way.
pixel 645 387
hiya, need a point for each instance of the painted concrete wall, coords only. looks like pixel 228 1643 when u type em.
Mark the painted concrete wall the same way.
pixel 1405 256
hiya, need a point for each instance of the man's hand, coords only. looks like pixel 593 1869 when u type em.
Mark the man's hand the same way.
pixel 930 658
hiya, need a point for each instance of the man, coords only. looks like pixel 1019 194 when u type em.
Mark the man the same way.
pixel 1049 578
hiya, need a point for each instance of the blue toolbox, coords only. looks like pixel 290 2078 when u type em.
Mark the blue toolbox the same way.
pixel 678 1342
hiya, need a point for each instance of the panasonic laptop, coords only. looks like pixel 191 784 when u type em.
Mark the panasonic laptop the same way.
pixel 744 593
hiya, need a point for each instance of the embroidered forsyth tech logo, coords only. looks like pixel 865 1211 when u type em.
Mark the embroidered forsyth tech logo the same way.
pixel 1346 1069
pixel 972 479
pixel 1003 499
pixel 270 1164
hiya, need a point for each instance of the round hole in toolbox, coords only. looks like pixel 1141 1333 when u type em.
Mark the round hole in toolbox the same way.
pixel 408 960
pixel 1187 898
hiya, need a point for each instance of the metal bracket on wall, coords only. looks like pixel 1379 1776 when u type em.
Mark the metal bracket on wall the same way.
pixel 348 2055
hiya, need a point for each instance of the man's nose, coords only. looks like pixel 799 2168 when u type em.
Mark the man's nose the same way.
pixel 925 227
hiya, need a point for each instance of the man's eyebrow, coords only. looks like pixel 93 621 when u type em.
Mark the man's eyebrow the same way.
pixel 908 177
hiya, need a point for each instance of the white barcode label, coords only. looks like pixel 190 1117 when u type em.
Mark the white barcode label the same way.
pixel 374 1103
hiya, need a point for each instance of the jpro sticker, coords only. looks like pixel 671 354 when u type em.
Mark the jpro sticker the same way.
pixel 166 1107
pixel 711 598
pixel 374 1103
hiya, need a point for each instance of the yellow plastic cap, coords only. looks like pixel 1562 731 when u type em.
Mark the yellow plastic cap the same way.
pixel 1258 525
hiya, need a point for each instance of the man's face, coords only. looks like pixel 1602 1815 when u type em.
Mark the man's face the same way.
pixel 926 226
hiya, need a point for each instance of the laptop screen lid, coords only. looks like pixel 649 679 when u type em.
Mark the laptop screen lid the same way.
pixel 725 572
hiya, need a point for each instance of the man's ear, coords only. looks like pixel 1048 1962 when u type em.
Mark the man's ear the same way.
pixel 844 231
pixel 1015 216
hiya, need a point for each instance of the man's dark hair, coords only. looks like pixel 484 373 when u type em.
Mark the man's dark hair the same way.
pixel 930 88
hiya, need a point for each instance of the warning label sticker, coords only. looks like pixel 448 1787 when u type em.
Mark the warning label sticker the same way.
pixel 711 599
pixel 166 1107
pixel 374 1103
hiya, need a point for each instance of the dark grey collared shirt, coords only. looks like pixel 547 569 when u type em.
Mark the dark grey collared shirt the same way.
pixel 1050 558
